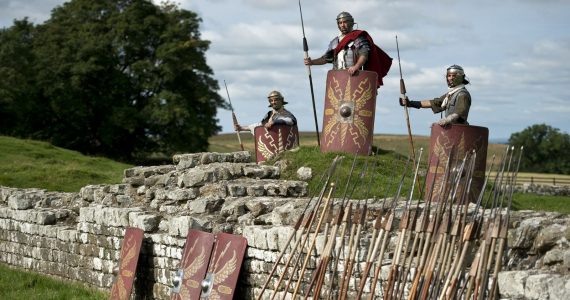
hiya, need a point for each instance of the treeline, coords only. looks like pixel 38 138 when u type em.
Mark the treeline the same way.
pixel 546 149
pixel 125 79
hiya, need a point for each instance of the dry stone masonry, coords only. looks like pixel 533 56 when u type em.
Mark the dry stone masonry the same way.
pixel 77 236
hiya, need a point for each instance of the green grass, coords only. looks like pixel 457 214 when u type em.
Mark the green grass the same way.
pixel 33 164
pixel 20 285
pixel 373 176
pixel 535 202
pixel 389 142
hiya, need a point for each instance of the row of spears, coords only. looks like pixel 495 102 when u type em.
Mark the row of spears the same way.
pixel 439 247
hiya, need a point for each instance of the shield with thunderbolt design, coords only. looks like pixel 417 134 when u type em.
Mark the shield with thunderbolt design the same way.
pixel 348 121
pixel 456 140
pixel 272 141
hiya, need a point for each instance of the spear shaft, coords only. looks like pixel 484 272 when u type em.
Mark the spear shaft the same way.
pixel 306 51
pixel 234 118
pixel 403 95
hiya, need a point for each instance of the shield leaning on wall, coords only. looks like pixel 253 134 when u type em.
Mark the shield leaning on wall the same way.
pixel 350 103
pixel 270 142
pixel 130 250
pixel 225 265
pixel 193 265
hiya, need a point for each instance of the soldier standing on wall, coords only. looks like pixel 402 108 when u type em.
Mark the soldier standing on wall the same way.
pixel 353 50
pixel 456 102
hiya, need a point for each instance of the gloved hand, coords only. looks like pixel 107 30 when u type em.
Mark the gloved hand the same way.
pixel 448 120
pixel 408 103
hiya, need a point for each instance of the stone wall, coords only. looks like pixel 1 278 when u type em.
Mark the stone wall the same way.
pixel 544 189
pixel 77 236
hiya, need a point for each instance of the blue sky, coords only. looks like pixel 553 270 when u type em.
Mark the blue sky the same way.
pixel 515 53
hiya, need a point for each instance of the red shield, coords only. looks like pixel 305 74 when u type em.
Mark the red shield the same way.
pixel 194 264
pixel 270 142
pixel 225 266
pixel 350 103
pixel 130 250
pixel 465 138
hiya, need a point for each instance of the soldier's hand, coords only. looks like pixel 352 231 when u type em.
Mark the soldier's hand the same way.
pixel 404 101
pixel 308 61
pixel 443 122
pixel 268 124
pixel 353 70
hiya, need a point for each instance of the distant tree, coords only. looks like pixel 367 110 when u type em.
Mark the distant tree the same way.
pixel 546 149
pixel 19 113
pixel 122 78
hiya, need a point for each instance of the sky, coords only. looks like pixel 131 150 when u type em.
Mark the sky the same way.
pixel 516 54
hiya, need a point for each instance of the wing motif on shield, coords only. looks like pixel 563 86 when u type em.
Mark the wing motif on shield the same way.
pixel 191 270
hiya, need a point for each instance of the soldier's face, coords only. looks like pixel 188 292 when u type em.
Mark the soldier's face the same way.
pixel 276 103
pixel 344 25
pixel 454 79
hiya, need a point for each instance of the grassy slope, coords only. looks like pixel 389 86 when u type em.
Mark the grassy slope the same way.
pixel 33 164
pixel 17 284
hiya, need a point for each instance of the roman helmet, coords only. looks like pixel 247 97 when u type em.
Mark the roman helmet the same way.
pixel 345 16
pixel 460 75
pixel 276 94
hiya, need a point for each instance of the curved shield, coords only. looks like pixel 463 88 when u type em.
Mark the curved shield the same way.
pixel 225 265
pixel 270 142
pixel 348 121
pixel 193 265
pixel 463 139
pixel 130 250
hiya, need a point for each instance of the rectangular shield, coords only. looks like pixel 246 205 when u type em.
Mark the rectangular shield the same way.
pixel 272 141
pixel 465 138
pixel 350 104
pixel 130 250
pixel 225 266
pixel 193 266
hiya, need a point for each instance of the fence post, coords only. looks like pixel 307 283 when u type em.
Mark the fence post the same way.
pixel 531 180
pixel 553 180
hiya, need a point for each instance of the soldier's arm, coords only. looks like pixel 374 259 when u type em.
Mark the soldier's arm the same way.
pixel 416 104
pixel 318 61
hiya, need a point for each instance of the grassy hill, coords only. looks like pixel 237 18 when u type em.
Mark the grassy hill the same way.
pixel 33 164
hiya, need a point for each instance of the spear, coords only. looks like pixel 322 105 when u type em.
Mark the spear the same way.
pixel 234 119
pixel 504 231
pixel 403 96
pixel 387 228
pixel 306 50
pixel 406 222
pixel 308 226
pixel 314 239
pixel 299 229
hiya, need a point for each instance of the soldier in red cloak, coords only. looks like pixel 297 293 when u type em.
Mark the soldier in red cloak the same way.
pixel 353 50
